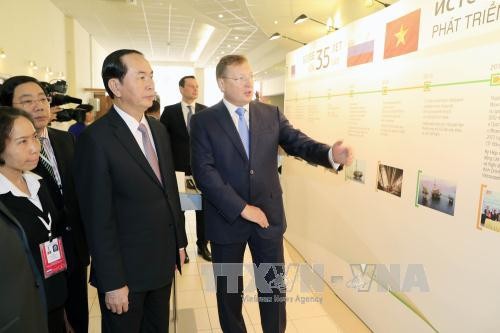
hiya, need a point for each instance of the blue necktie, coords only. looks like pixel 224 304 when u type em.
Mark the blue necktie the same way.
pixel 243 129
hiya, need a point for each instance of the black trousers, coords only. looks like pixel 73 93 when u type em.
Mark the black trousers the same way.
pixel 148 312
pixel 200 229
pixel 77 309
pixel 267 256
pixel 55 320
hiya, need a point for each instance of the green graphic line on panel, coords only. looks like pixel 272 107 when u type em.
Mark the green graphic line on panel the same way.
pixel 406 301
pixel 379 91
pixel 459 83
pixel 410 305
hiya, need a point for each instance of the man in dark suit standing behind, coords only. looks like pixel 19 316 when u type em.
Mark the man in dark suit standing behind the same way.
pixel 234 150
pixel 176 118
pixel 55 166
pixel 125 179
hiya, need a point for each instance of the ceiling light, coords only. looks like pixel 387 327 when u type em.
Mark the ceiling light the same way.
pixel 277 35
pixel 228 45
pixel 236 37
pixel 3 55
pixel 369 3
pixel 275 22
pixel 303 17
pixel 221 16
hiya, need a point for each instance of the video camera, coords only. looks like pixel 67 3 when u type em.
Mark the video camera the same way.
pixel 57 91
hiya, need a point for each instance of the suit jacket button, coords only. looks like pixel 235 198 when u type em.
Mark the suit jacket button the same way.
pixel 252 172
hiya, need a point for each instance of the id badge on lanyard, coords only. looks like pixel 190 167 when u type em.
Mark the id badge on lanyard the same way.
pixel 52 252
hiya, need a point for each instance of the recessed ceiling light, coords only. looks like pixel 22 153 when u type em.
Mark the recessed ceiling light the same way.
pixel 221 52
pixel 228 45
pixel 236 37
pixel 221 16
pixel 275 22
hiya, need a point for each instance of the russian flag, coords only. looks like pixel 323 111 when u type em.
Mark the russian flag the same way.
pixel 360 54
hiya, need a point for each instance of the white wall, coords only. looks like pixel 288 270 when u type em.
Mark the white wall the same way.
pixel 32 30
pixel 40 32
pixel 167 82
pixel 273 86
pixel 211 93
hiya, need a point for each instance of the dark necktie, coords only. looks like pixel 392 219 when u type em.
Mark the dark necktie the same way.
pixel 150 152
pixel 188 120
pixel 243 129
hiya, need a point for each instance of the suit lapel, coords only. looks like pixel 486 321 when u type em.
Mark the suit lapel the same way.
pixel 227 124
pixel 4 210
pixel 127 140
pixel 179 117
pixel 21 204
pixel 58 149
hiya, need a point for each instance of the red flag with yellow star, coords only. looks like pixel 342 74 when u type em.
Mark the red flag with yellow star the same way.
pixel 401 35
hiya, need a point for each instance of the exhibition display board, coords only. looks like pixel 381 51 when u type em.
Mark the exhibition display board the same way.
pixel 407 235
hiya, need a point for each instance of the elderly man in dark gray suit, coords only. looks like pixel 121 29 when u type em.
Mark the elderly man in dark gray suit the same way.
pixel 126 184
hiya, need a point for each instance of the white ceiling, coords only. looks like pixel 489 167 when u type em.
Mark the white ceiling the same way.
pixel 169 31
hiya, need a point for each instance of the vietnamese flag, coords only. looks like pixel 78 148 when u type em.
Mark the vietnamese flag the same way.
pixel 401 35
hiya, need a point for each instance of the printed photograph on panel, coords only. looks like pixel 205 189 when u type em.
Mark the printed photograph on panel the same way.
pixel 437 194
pixel 390 179
pixel 356 171
pixel 489 216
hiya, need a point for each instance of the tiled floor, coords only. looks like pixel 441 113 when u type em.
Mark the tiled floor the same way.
pixel 197 306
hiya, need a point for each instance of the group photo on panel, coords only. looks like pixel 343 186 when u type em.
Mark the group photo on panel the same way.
pixel 100 204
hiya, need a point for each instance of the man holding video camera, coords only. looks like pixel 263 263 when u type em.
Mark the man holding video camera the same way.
pixel 56 158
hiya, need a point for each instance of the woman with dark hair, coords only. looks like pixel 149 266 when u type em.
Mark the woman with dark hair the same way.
pixel 26 196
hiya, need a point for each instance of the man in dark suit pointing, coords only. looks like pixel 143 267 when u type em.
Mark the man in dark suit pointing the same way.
pixel 234 149
pixel 176 119
pixel 126 185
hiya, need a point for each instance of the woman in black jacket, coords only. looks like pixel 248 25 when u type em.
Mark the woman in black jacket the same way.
pixel 26 196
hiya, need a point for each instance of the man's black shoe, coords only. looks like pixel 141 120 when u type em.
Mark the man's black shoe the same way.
pixel 204 253
pixel 186 259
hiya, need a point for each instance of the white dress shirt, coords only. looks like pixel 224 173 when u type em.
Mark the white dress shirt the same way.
pixel 133 126
pixel 185 110
pixel 33 182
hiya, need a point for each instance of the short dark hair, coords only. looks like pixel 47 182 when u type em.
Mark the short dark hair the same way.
pixel 114 68
pixel 155 107
pixel 8 116
pixel 183 80
pixel 228 60
pixel 8 87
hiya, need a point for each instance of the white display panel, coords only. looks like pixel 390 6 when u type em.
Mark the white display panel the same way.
pixel 415 89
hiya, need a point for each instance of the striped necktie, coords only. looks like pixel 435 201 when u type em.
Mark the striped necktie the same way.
pixel 45 160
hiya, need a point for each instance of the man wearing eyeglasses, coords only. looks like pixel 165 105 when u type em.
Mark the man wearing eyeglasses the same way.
pixel 56 157
pixel 234 148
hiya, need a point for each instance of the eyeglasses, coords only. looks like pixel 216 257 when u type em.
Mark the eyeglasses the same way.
pixel 29 103
pixel 240 79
